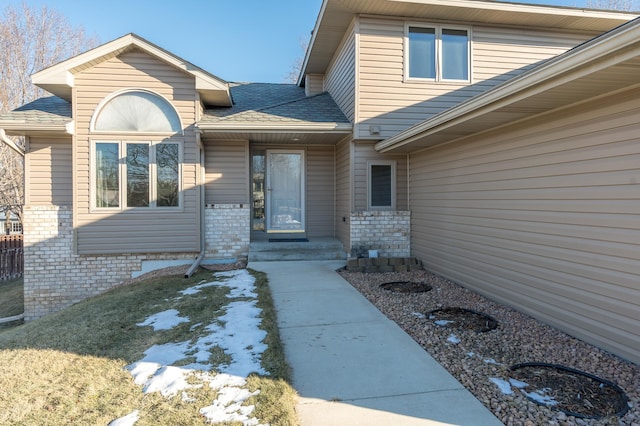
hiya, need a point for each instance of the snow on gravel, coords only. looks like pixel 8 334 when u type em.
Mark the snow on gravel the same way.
pixel 480 360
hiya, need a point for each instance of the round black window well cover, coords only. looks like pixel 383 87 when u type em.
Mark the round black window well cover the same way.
pixel 464 319
pixel 571 391
pixel 406 287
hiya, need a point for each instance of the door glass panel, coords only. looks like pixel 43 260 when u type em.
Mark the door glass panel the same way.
pixel 257 188
pixel 286 211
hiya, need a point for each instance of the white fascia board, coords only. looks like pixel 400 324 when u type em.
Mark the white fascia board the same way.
pixel 70 127
pixel 538 9
pixel 60 73
pixel 24 128
pixel 312 42
pixel 58 77
pixel 52 74
pixel 302 127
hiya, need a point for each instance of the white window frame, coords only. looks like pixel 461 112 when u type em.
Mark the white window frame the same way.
pixel 16 228
pixel 438 57
pixel 101 106
pixel 122 171
pixel 391 163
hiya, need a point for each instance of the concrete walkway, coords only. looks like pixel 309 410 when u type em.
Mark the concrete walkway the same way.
pixel 351 365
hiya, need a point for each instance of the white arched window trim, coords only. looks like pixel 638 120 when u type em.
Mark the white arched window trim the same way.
pixel 147 113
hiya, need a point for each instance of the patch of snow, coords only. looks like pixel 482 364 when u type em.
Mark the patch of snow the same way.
pixel 142 371
pixel 471 354
pixel 128 420
pixel 453 339
pixel 228 406
pixel 503 385
pixel 240 282
pixel 442 323
pixel 518 384
pixel 242 341
pixel 166 354
pixel 165 320
pixel 541 396
pixel 491 361
pixel 168 381
pixel 196 288
pixel 418 314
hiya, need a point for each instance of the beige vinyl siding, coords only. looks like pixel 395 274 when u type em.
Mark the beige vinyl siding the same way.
pixel 544 216
pixel 227 172
pixel 341 74
pixel 391 103
pixel 50 178
pixel 343 191
pixel 320 190
pixel 152 230
pixel 314 84
pixel 363 153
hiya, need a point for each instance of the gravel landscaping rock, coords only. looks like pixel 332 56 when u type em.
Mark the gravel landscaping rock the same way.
pixel 481 360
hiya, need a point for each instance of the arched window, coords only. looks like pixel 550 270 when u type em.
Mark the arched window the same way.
pixel 140 172
pixel 137 111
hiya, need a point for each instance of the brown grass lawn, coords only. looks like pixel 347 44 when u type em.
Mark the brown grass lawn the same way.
pixel 11 298
pixel 69 367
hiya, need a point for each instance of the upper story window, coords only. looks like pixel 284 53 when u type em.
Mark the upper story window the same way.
pixel 438 53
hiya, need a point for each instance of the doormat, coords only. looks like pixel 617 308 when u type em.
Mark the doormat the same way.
pixel 288 240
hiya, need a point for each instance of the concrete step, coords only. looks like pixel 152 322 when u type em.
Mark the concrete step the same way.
pixel 314 249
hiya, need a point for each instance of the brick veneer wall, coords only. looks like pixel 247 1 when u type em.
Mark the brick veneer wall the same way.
pixel 227 231
pixel 389 232
pixel 55 277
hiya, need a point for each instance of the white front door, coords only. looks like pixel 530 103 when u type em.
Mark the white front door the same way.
pixel 285 198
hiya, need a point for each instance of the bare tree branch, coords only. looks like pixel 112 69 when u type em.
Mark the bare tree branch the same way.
pixel 30 40
pixel 621 5
pixel 296 67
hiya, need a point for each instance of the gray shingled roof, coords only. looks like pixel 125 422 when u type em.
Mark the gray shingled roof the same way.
pixel 275 103
pixel 253 103
pixel 47 110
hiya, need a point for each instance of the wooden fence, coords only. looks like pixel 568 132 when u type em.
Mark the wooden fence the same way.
pixel 11 256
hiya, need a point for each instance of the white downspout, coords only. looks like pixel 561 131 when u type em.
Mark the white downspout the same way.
pixel 200 257
pixel 5 139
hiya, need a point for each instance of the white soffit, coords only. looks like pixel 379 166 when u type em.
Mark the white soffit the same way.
pixel 336 15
